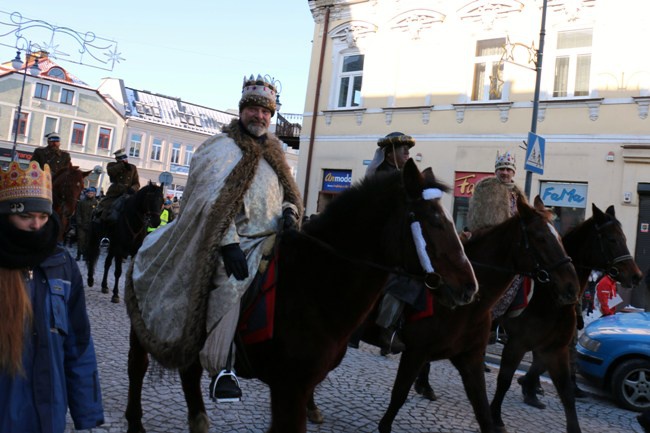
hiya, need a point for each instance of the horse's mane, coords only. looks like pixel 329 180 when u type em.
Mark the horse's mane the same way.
pixel 383 192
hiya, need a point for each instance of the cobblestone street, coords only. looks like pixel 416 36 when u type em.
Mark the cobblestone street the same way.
pixel 353 398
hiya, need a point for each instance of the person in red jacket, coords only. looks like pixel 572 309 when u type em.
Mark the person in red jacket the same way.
pixel 606 290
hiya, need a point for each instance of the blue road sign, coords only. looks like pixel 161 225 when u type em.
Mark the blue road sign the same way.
pixel 535 153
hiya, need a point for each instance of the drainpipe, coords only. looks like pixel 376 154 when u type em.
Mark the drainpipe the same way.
pixel 316 100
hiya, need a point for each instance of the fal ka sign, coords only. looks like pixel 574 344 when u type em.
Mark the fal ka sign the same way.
pixel 564 194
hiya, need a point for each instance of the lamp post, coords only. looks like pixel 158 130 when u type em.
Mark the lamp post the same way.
pixel 33 70
pixel 538 80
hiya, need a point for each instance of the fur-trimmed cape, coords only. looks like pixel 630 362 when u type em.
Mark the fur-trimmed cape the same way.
pixel 168 283
pixel 492 203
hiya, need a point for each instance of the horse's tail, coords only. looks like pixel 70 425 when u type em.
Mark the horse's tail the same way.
pixel 91 254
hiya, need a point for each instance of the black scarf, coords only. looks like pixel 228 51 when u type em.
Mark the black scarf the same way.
pixel 23 249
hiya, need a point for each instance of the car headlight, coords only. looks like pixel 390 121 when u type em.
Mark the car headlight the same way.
pixel 589 343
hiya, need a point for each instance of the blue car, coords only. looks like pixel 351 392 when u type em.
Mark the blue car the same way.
pixel 614 352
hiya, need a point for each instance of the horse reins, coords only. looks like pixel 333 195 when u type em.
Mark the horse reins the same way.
pixel 538 273
pixel 431 279
pixel 611 269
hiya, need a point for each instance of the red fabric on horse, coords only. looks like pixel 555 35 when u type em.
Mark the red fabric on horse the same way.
pixel 256 322
pixel 413 315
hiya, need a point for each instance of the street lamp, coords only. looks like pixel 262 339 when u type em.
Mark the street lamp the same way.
pixel 33 70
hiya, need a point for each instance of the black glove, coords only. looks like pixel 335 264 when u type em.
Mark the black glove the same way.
pixel 234 261
pixel 289 219
pixel 580 322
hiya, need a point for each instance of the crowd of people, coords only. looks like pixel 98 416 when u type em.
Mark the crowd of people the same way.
pixel 47 358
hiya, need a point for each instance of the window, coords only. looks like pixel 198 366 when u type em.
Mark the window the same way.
pixel 176 153
pixel 104 141
pixel 488 70
pixel 78 132
pixel 56 73
pixel 156 149
pixel 21 123
pixel 51 124
pixel 189 152
pixel 42 90
pixel 67 96
pixel 136 144
pixel 349 94
pixel 572 63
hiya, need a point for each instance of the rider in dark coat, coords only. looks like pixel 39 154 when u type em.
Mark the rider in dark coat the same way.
pixel 391 155
pixel 124 180
pixel 52 154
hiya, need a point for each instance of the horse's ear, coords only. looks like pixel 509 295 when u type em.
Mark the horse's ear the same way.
pixel 610 211
pixel 596 212
pixel 413 180
pixel 523 208
pixel 539 204
pixel 428 175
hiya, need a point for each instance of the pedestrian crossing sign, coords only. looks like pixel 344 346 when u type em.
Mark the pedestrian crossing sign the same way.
pixel 535 153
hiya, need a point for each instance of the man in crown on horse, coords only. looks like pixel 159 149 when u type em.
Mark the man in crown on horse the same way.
pixel 52 154
pixel 240 192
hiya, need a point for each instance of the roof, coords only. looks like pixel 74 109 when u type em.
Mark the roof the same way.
pixel 167 110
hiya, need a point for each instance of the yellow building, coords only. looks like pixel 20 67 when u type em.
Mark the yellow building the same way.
pixel 460 77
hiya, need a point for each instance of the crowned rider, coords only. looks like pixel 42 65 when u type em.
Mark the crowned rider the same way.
pixel 240 192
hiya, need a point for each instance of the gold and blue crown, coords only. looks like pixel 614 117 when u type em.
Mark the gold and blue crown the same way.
pixel 258 91
pixel 506 160
pixel 28 190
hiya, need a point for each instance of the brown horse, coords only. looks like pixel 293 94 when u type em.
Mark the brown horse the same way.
pixel 67 184
pixel 329 277
pixel 547 327
pixel 524 244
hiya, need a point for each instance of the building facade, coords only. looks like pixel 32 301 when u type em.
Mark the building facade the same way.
pixel 161 132
pixel 460 77
pixel 54 100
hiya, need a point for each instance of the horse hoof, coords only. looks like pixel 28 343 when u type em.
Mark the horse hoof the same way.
pixel 115 299
pixel 104 289
pixel 315 416
pixel 426 391
pixel 91 282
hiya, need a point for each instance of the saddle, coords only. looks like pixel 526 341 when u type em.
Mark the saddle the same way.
pixel 109 213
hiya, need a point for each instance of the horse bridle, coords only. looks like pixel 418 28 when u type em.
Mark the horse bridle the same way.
pixel 610 267
pixel 538 273
pixel 431 279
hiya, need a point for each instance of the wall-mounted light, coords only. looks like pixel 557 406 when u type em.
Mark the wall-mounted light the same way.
pixel 418 157
pixel 610 156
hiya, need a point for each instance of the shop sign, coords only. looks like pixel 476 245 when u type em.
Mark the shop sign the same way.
pixel 564 194
pixel 465 181
pixel 336 180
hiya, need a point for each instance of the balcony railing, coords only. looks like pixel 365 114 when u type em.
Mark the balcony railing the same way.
pixel 288 125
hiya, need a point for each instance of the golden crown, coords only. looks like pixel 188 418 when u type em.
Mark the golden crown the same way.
pixel 19 188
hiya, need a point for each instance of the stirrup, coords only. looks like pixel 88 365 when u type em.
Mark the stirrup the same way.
pixel 231 393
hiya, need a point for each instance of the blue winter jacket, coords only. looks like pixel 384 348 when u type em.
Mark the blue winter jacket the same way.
pixel 59 358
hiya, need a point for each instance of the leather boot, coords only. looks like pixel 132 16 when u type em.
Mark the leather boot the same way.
pixel 530 393
pixel 391 341
pixel 225 387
